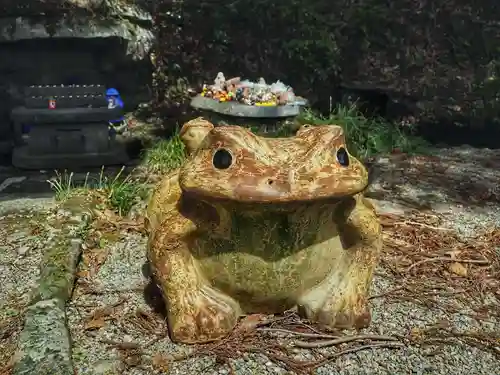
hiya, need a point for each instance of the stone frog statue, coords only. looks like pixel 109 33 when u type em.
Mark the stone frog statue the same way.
pixel 261 225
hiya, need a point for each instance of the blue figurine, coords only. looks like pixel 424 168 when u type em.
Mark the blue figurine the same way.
pixel 114 100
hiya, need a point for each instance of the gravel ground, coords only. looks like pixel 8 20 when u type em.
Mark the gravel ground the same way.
pixel 109 315
pixel 23 235
pixel 460 183
pixel 121 280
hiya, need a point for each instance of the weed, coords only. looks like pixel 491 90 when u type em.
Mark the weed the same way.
pixel 62 185
pixel 118 193
pixel 121 193
pixel 165 156
pixel 367 136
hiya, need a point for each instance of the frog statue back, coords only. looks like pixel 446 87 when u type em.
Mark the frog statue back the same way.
pixel 260 225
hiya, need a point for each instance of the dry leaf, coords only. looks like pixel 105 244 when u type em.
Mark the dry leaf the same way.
pixel 94 259
pixel 87 257
pixel 122 345
pixel 99 259
pixel 453 253
pixel 416 333
pixel 442 324
pixel 83 274
pixel 133 360
pixel 160 363
pixel 458 269
pixel 95 324
pixel 104 313
pixel 251 321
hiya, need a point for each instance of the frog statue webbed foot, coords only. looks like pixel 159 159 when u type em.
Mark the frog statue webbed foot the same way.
pixel 201 315
pixel 260 225
pixel 196 312
pixel 340 301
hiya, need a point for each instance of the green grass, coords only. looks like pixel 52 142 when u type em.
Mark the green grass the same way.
pixel 165 155
pixel 367 136
pixel 118 193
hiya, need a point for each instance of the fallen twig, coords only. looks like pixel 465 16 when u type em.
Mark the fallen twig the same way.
pixel 385 294
pixel 297 333
pixel 122 345
pixel 390 344
pixel 409 222
pixel 446 259
pixel 342 340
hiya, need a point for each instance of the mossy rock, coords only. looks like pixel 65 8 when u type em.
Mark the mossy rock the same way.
pixel 58 270
pixel 44 346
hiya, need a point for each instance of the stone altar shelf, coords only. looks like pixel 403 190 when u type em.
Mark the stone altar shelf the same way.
pixel 266 120
pixel 243 110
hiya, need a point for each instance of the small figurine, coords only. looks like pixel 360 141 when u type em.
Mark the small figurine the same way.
pixel 219 81
pixel 114 100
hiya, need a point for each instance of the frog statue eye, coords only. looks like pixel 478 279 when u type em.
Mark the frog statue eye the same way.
pixel 343 157
pixel 222 159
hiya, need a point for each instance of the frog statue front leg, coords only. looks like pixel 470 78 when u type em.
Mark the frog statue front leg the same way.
pixel 196 312
pixel 341 299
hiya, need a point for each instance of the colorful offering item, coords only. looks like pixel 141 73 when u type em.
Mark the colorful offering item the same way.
pixel 250 93
pixel 52 103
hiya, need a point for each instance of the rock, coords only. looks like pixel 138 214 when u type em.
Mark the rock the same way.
pixel 107 367
pixel 23 250
pixel 139 40
pixel 127 21
pixel 44 345
pixel 57 271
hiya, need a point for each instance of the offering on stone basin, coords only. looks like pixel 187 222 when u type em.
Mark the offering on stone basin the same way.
pixel 249 93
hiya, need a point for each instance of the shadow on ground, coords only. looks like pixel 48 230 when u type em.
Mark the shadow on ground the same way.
pixel 462 175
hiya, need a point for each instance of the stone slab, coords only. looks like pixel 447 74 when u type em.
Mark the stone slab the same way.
pixel 242 110
pixel 22 158
pixel 57 270
pixel 44 346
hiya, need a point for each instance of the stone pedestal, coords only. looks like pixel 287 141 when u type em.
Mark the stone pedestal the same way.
pixel 277 121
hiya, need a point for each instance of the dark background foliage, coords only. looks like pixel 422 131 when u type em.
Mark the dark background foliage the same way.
pixel 435 60
pixel 440 58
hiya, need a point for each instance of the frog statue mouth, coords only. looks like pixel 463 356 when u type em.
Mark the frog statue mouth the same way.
pixel 234 166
